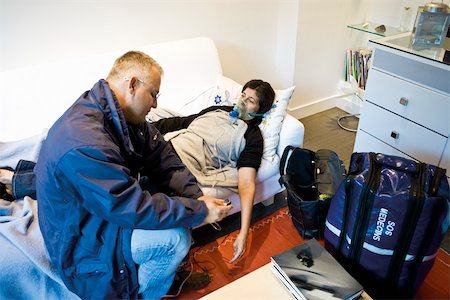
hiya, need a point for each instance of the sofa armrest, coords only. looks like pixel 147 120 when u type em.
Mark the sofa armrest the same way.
pixel 292 133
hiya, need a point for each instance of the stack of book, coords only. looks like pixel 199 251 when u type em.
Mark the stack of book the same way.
pixel 357 65
pixel 308 271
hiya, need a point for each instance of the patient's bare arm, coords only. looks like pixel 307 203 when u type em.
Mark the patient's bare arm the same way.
pixel 246 188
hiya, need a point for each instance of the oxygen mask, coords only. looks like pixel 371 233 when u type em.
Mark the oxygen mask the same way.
pixel 240 110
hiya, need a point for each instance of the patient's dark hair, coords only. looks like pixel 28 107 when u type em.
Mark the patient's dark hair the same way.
pixel 265 93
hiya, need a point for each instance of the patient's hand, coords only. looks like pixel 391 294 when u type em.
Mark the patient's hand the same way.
pixel 239 246
pixel 216 209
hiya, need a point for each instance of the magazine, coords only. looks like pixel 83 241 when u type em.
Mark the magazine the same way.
pixel 308 271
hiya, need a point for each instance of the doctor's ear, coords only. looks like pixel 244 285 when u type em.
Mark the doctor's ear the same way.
pixel 131 83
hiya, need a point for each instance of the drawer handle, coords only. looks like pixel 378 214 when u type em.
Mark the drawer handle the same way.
pixel 403 101
pixel 395 135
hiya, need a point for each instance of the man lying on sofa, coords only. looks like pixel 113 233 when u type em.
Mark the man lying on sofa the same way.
pixel 102 230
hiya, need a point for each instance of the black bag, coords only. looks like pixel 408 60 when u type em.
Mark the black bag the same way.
pixel 311 179
pixel 386 222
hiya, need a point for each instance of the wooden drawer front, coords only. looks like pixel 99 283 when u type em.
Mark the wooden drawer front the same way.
pixel 366 143
pixel 414 140
pixel 422 106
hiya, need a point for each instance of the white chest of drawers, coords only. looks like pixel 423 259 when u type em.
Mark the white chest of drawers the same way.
pixel 406 111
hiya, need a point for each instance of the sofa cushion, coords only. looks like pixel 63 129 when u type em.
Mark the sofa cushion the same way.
pixel 227 92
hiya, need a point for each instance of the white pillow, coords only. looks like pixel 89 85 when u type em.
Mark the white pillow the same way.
pixel 271 123
pixel 227 92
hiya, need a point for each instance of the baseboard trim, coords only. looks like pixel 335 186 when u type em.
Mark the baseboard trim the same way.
pixel 348 103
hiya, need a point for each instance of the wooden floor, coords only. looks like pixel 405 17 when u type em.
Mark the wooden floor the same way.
pixel 323 132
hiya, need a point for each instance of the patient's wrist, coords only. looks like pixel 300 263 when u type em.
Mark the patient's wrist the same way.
pixel 243 233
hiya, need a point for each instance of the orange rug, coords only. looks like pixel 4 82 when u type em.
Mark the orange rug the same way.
pixel 275 234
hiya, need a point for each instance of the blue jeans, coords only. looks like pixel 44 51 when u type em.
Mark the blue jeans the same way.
pixel 24 180
pixel 158 254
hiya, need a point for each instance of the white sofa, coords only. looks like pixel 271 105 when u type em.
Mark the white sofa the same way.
pixel 33 98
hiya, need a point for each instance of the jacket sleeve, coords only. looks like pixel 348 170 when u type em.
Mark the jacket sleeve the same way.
pixel 177 123
pixel 103 185
pixel 174 123
pixel 164 167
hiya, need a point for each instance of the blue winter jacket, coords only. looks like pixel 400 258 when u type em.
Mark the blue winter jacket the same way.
pixel 90 199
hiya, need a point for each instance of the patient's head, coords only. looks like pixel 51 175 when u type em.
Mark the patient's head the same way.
pixel 264 92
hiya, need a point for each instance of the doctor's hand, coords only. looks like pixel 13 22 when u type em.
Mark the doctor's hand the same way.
pixel 239 246
pixel 216 209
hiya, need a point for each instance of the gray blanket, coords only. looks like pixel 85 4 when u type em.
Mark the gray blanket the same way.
pixel 27 149
pixel 26 272
pixel 210 148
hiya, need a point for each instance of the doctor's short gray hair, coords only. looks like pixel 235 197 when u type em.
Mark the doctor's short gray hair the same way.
pixel 134 63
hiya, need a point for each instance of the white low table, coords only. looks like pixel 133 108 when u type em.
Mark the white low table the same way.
pixel 259 284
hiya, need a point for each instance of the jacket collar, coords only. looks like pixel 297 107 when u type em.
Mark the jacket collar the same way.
pixel 112 112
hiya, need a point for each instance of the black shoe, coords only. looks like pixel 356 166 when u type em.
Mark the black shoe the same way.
pixel 189 281
pixel 4 194
pixel 196 280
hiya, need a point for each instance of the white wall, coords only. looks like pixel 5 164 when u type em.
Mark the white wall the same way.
pixel 246 32
pixel 286 42
pixel 322 40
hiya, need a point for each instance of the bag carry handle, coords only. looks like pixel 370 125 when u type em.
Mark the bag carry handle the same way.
pixel 398 164
pixel 285 158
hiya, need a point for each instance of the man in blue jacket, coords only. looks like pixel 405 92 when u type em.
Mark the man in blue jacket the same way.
pixel 107 235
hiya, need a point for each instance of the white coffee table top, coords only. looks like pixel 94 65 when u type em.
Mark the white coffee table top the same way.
pixel 259 284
